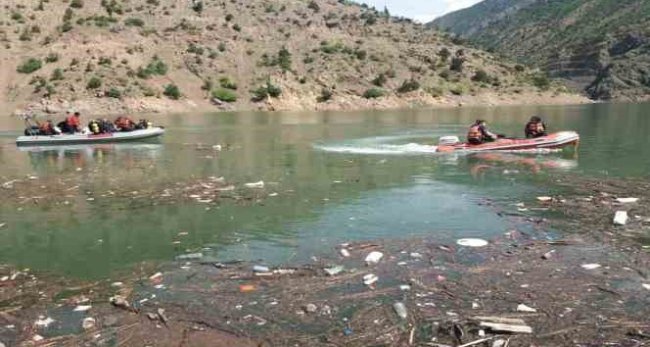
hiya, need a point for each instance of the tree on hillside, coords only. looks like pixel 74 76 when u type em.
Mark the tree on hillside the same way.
pixel 284 59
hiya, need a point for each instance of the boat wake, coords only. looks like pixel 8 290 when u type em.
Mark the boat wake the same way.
pixel 383 145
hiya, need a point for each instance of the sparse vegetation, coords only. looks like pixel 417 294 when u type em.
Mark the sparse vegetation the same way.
pixel 380 80
pixel 155 67
pixel 481 76
pixel 197 6
pixel 29 66
pixel 268 90
pixel 373 93
pixel 409 85
pixel 134 22
pixel 313 5
pixel 172 91
pixel 94 83
pixel 76 3
pixel 57 75
pixel 284 59
pixel 325 95
pixel 225 82
pixel 225 95
pixel 541 81
pixel 114 93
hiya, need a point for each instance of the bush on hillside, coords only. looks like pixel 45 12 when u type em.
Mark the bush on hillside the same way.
pixel 172 91
pixel 57 75
pixel 380 80
pixel 94 83
pixel 114 93
pixel 325 95
pixel 373 93
pixel 409 85
pixel 29 66
pixel 225 95
pixel 134 22
pixel 76 3
pixel 225 82
pixel 481 76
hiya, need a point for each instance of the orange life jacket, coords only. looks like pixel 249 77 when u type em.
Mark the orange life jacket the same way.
pixel 475 133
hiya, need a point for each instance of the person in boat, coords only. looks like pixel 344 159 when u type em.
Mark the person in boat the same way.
pixel 478 133
pixel 71 124
pixel 46 128
pixel 535 128
pixel 124 123
pixel 106 126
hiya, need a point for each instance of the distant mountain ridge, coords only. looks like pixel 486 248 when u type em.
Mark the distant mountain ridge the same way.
pixel 599 46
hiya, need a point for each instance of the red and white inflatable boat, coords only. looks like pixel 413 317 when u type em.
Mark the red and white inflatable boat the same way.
pixel 551 141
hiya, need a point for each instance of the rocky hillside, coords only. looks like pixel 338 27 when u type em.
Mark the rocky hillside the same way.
pixel 148 55
pixel 600 46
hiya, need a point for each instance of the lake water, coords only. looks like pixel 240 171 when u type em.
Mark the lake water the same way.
pixel 339 176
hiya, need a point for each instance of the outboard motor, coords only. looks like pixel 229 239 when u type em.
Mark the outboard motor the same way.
pixel 448 141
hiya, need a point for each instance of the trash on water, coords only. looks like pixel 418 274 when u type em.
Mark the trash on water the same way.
pixel 344 252
pixel 261 268
pixel 247 288
pixel 524 308
pixel 620 218
pixel 590 266
pixel 472 242
pixel 259 184
pixel 82 308
pixel 370 279
pixel 156 278
pixel 404 287
pixel 117 284
pixel 626 200
pixel 37 338
pixel 508 328
pixel 373 257
pixel 548 255
pixel 499 343
pixel 88 323
pixel 190 256
pixel 310 308
pixel 400 309
pixel 334 270
pixel 544 198
pixel 43 322
pixel 646 286
pixel 121 302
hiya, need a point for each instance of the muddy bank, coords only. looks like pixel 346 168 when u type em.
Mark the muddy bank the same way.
pixel 111 106
pixel 576 282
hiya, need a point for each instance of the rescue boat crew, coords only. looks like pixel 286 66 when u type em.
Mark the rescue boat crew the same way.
pixel 535 128
pixel 478 133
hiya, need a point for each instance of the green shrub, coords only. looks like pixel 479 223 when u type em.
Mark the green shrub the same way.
pixel 313 6
pixel 444 74
pixel 457 90
pixel 265 91
pixel 284 59
pixel 29 66
pixel 66 26
pixel 196 49
pixel 134 22
pixel 77 4
pixel 94 83
pixel 236 27
pixel 308 60
pixel 225 82
pixel 25 35
pixel 373 93
pixel 325 95
pixel 519 68
pixel 171 91
pixel 457 64
pixel 444 54
pixel 105 61
pixel 225 95
pixel 380 80
pixel 481 76
pixel 361 54
pixel 221 47
pixel 18 17
pixel 155 67
pixel 541 81
pixel 67 15
pixel 198 7
pixel 409 85
pixel 114 93
pixel 229 17
pixel 57 75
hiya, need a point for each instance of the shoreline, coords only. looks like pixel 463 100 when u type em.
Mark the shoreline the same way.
pixel 590 284
pixel 108 106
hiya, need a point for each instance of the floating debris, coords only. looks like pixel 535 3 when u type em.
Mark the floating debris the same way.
pixel 44 322
pixel 82 308
pixel 334 270
pixel 88 323
pixel 544 198
pixel 259 184
pixel 524 308
pixel 373 257
pixel 400 309
pixel 626 200
pixel 620 218
pixel 472 242
pixel 590 266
